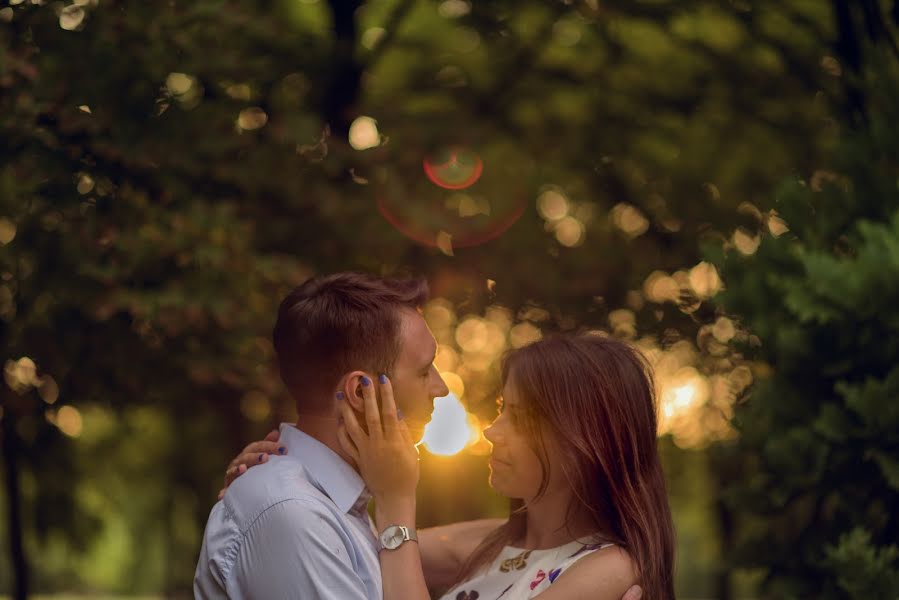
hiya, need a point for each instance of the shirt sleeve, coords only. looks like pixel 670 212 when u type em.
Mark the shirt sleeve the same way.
pixel 296 549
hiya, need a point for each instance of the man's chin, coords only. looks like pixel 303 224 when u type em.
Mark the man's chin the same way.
pixel 417 431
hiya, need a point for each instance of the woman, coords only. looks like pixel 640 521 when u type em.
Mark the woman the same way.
pixel 574 448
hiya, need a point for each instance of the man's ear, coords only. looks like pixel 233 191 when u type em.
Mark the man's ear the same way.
pixel 351 386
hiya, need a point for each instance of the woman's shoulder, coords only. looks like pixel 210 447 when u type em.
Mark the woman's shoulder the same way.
pixel 596 571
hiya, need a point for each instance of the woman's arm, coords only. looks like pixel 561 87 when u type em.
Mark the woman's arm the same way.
pixel 388 462
pixel 444 548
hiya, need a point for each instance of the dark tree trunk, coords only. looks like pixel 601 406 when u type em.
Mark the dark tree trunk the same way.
pixel 726 528
pixel 849 50
pixel 18 560
pixel 346 72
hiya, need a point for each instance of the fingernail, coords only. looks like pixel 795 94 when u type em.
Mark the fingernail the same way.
pixel 241 469
pixel 399 414
pixel 341 396
pixel 366 381
pixel 261 456
pixel 282 450
pixel 382 378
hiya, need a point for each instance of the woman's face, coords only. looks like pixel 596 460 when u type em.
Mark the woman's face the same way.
pixel 515 469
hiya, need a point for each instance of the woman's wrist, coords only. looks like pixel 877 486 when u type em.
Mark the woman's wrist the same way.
pixel 394 511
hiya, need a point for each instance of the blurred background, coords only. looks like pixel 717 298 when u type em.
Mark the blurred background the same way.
pixel 715 180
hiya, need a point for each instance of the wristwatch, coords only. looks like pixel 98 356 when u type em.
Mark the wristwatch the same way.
pixel 394 535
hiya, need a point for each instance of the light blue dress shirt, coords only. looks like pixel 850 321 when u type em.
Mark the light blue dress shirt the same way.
pixel 294 527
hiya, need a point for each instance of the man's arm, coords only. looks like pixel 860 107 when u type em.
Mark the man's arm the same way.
pixel 296 549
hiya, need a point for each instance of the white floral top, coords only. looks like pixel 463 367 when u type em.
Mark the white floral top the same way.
pixel 518 573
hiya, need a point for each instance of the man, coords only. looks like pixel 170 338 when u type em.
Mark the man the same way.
pixel 298 526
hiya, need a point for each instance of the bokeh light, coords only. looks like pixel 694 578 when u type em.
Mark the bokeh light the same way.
pixel 552 205
pixel 629 220
pixel 372 36
pixel 252 118
pixel 364 133
pixel 661 287
pixel 48 389
pixel 569 232
pixel 7 231
pixel 70 17
pixel 454 383
pixel 447 359
pixel 85 184
pixel 776 225
pixel 694 407
pixel 523 334
pixel 704 280
pixel 21 375
pixel 453 9
pixel 186 89
pixel 471 335
pixel 255 406
pixel 69 421
pixel 746 242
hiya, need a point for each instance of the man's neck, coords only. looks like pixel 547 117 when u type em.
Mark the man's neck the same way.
pixel 324 429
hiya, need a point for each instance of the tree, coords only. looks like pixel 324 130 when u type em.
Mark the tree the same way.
pixel 169 170
pixel 818 451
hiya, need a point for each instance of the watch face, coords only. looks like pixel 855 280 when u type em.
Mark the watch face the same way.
pixel 392 537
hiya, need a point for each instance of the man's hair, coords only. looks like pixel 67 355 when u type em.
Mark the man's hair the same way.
pixel 337 323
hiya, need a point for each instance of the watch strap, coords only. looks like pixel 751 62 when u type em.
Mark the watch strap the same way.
pixel 409 535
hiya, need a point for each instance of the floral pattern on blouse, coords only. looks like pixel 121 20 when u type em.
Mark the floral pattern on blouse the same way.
pixel 518 573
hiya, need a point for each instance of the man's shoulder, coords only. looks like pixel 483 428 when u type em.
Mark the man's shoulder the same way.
pixel 279 482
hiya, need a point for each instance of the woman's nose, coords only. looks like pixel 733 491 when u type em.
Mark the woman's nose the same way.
pixel 490 433
pixel 441 388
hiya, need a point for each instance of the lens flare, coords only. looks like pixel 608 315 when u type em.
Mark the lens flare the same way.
pixel 459 203
pixel 453 168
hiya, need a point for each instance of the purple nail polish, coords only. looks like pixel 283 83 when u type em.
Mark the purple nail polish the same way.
pixel 366 381
pixel 282 450
pixel 382 378
pixel 399 414
pixel 261 456
pixel 341 396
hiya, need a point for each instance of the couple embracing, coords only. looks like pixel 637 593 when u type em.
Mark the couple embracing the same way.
pixel 574 449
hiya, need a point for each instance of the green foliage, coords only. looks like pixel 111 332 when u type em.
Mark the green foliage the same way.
pixel 864 570
pixel 170 169
pixel 819 445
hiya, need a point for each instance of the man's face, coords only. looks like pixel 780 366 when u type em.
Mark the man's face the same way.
pixel 415 379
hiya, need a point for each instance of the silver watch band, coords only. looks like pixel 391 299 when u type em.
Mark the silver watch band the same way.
pixel 395 536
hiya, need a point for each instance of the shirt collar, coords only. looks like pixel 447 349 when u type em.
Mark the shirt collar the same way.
pixel 327 471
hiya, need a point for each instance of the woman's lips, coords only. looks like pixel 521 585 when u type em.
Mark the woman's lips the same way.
pixel 494 462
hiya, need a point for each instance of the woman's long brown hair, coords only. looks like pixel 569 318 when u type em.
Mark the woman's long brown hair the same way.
pixel 595 396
